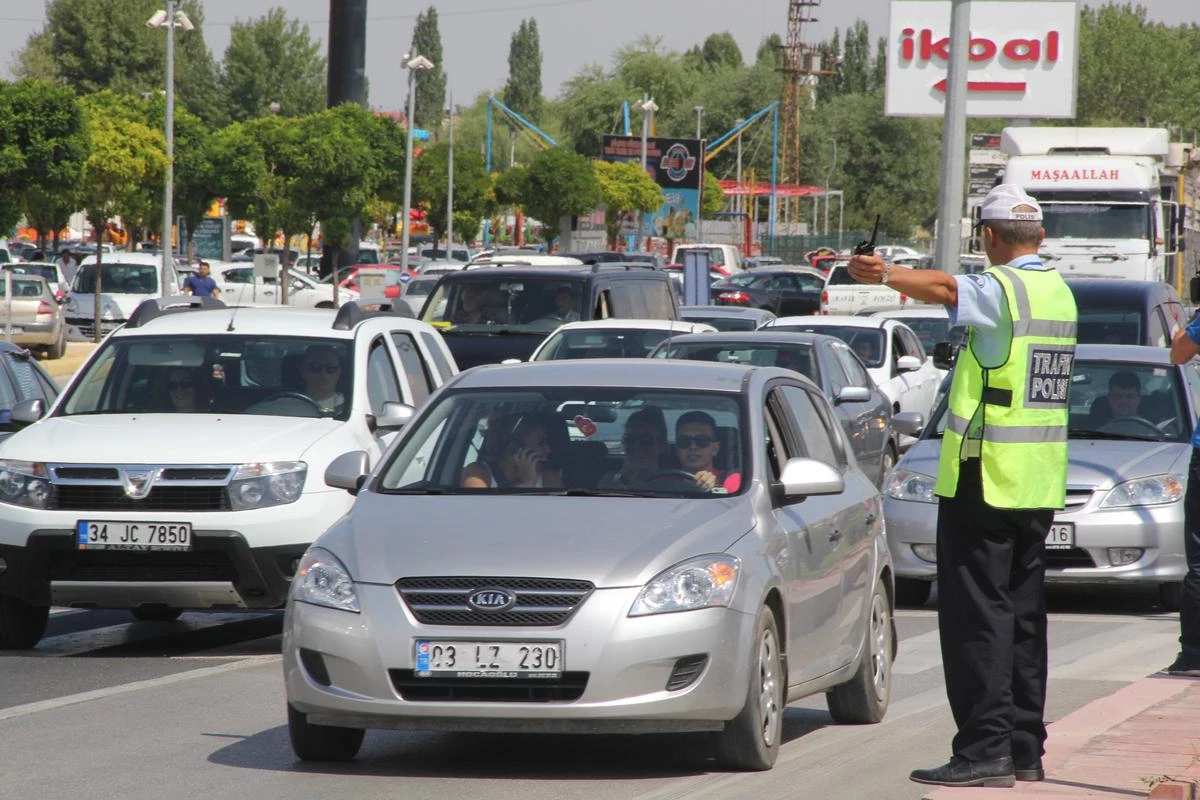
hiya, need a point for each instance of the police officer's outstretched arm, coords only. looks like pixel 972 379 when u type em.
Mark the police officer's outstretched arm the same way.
pixel 929 285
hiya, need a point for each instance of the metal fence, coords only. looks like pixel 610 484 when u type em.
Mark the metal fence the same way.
pixel 792 248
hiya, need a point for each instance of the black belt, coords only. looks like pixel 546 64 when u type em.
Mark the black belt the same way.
pixel 997 397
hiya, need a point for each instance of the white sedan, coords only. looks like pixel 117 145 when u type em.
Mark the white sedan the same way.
pixel 240 286
pixel 612 338
pixel 892 353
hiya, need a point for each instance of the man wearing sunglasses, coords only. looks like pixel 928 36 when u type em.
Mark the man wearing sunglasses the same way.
pixel 697 446
pixel 321 370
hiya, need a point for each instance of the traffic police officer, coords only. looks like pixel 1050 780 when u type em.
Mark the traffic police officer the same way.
pixel 1001 476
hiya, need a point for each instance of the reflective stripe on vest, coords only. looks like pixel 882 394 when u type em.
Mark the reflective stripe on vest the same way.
pixel 1023 402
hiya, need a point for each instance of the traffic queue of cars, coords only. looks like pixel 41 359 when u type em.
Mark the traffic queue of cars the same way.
pixel 612 537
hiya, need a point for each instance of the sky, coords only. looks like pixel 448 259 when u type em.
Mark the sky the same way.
pixel 574 33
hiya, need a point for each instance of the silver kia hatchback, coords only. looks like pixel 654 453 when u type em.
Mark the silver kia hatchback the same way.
pixel 597 547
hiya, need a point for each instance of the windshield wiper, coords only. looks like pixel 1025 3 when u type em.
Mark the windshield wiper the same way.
pixel 1088 433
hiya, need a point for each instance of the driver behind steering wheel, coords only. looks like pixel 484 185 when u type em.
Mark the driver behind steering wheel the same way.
pixel 697 446
pixel 320 371
pixel 1124 399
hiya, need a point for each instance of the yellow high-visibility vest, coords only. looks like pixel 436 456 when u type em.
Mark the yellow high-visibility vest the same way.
pixel 1023 403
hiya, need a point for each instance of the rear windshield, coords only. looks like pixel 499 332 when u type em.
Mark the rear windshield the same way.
pixel 840 276
pixel 1101 325
pixel 118 279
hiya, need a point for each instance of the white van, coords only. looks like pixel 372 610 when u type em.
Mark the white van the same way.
pixel 725 256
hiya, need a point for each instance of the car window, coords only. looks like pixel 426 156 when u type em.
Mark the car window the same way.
pixel 628 301
pixel 383 386
pixel 930 330
pixel 780 283
pixel 413 365
pixel 118 278
pixel 777 446
pixel 840 276
pixel 869 343
pixel 855 374
pixel 813 428
pixel 606 343
pixel 439 358
pixel 1109 325
pixel 912 345
pixel 810 283
pixel 796 357
pixel 660 303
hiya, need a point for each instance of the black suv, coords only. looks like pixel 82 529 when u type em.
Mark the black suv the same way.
pixel 491 314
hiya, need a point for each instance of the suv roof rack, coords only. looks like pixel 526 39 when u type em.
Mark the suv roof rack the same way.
pixel 173 304
pixel 354 312
pixel 626 265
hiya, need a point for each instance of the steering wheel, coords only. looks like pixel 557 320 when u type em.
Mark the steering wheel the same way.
pixel 670 475
pixel 291 396
pixel 1142 421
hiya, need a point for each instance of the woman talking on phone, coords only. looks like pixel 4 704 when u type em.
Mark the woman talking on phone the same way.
pixel 515 454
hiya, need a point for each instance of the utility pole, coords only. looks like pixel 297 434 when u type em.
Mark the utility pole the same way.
pixel 954 141
pixel 699 114
pixel 450 190
pixel 648 107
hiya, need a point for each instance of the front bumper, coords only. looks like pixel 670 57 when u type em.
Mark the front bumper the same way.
pixel 1156 530
pixel 355 670
pixel 87 325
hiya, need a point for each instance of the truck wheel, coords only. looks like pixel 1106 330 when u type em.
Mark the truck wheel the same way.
pixel 750 741
pixel 864 698
pixel 21 624
pixel 322 742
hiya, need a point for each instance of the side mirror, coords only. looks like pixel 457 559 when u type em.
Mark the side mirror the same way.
pixel 909 423
pixel 348 471
pixel 853 394
pixel 394 416
pixel 944 355
pixel 806 476
pixel 1194 289
pixel 908 364
pixel 29 411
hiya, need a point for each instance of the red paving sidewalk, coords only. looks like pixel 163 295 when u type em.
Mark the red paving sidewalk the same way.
pixel 1117 747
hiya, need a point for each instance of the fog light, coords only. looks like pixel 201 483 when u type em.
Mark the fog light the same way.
pixel 1120 556
pixel 925 552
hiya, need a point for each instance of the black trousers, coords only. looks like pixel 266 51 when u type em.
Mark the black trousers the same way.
pixel 992 622
pixel 1189 602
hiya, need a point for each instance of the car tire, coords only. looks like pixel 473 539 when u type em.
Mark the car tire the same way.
pixel 155 613
pixel 912 592
pixel 750 741
pixel 59 348
pixel 322 742
pixel 21 624
pixel 887 462
pixel 863 699
pixel 1169 595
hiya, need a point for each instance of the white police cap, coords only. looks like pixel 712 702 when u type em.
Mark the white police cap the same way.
pixel 1010 201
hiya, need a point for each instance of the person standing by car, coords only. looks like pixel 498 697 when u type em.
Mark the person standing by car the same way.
pixel 1184 347
pixel 68 265
pixel 201 284
pixel 1001 476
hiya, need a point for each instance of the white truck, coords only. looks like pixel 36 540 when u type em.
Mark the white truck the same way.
pixel 1107 198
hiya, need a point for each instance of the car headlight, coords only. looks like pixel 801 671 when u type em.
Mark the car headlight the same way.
pixel 272 483
pixel 1154 491
pixel 324 581
pixel 24 483
pixel 703 582
pixel 913 486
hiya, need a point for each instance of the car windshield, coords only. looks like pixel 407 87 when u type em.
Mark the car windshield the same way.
pixel 716 255
pixel 607 343
pixel 725 323
pixel 1120 400
pixel 1107 325
pixel 1093 220
pixel 931 330
pixel 222 374
pixel 789 356
pixel 504 305
pixel 868 343
pixel 588 441
pixel 118 279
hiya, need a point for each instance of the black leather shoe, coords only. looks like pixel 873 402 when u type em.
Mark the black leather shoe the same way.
pixel 1181 667
pixel 1030 772
pixel 960 772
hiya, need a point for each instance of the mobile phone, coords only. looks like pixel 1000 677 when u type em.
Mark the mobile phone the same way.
pixel 867 246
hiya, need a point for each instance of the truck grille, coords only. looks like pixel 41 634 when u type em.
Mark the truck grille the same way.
pixel 539 601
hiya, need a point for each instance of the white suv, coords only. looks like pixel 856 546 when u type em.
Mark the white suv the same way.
pixel 127 280
pixel 183 466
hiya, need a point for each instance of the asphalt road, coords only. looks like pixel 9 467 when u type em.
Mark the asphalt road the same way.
pixel 107 708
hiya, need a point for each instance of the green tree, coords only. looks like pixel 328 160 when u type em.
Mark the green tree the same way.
pixel 721 51
pixel 523 91
pixel 712 197
pixel 770 52
pixel 472 187
pixel 590 106
pixel 430 83
pixel 43 146
pixel 35 61
pixel 272 60
pixel 625 188
pixel 194 177
pixel 558 184
pixel 105 44
pixel 126 159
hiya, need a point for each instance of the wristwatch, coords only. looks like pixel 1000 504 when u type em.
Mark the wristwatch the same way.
pixel 887 273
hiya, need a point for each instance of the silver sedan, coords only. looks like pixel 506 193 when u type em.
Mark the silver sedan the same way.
pixel 597 547
pixel 1131 423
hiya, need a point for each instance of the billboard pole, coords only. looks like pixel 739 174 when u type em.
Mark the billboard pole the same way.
pixel 954 141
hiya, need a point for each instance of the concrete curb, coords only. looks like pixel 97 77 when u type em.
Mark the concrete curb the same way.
pixel 1175 790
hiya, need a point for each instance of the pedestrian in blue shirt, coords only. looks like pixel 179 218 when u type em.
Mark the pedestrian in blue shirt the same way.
pixel 1185 346
pixel 201 284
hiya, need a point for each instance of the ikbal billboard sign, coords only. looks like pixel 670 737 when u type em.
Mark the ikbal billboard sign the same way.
pixel 1022 60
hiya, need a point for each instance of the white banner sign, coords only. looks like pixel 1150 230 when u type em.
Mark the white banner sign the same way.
pixel 1023 58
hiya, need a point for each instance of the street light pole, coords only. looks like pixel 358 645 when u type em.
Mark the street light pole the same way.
pixel 648 108
pixel 450 189
pixel 412 64
pixel 740 204
pixel 169 19
pixel 699 113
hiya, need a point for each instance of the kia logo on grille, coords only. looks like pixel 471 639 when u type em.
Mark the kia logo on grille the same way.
pixel 491 600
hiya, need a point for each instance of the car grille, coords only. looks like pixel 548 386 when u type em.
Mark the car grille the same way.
pixel 1078 497
pixel 488 690
pixel 1063 559
pixel 116 565
pixel 539 601
pixel 175 489
pixel 88 328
